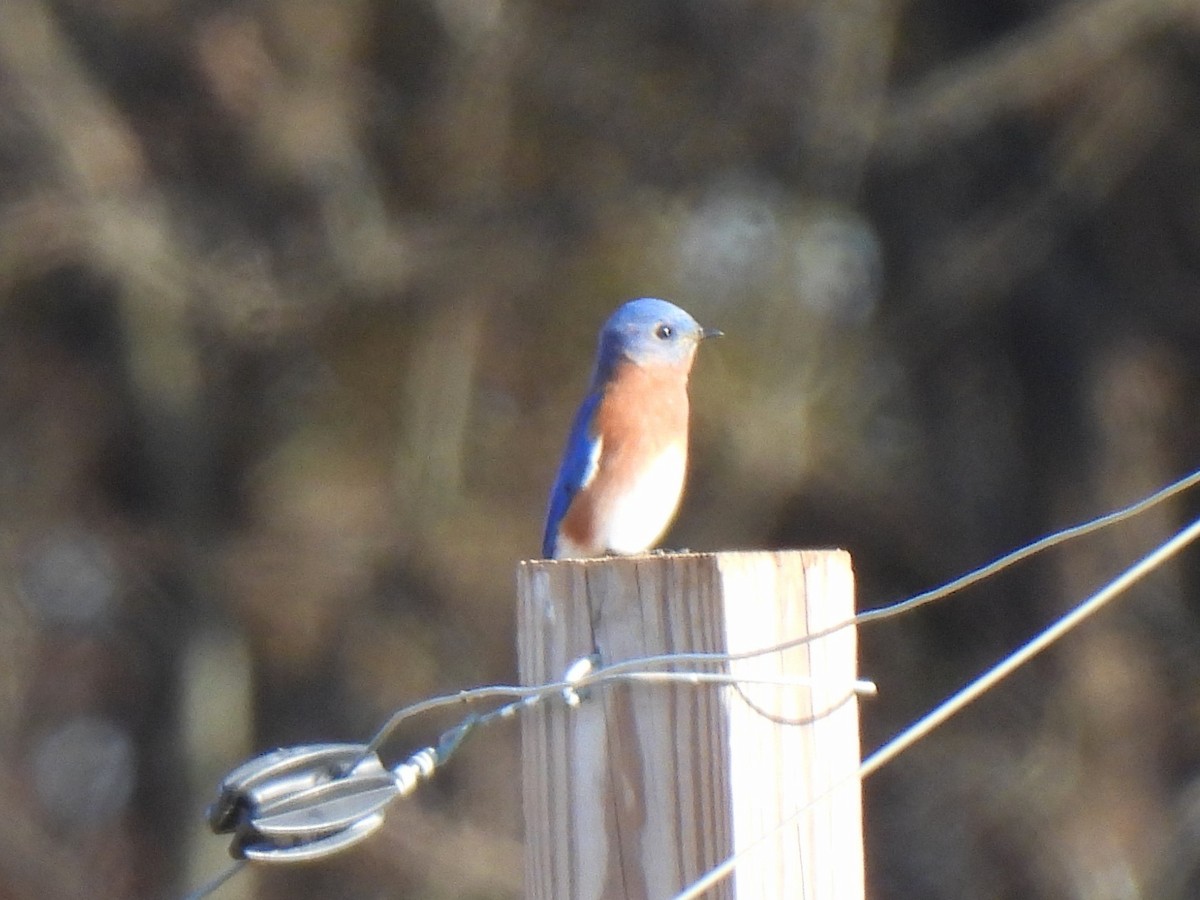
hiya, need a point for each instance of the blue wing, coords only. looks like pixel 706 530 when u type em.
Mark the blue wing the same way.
pixel 577 468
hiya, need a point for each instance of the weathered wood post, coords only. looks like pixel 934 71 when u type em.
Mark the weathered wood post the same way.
pixel 642 788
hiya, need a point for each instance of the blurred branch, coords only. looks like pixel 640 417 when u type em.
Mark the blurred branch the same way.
pixel 305 118
pixel 1037 65
pixel 854 46
pixel 475 127
pixel 438 406
pixel 95 153
pixel 99 162
pixel 1106 136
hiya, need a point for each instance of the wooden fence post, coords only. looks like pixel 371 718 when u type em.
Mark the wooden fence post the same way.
pixel 642 788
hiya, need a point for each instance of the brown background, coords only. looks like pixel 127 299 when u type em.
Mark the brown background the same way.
pixel 297 297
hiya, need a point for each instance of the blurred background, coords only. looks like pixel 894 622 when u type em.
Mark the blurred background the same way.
pixel 296 301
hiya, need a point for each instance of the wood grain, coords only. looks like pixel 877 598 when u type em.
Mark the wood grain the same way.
pixel 642 788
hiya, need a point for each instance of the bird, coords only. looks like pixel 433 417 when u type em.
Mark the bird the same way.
pixel 622 472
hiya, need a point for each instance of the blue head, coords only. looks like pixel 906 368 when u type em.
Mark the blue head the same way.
pixel 649 332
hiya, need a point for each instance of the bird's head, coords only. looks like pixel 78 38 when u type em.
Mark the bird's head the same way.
pixel 650 332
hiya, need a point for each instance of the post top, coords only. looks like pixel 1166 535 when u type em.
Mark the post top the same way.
pixel 684 555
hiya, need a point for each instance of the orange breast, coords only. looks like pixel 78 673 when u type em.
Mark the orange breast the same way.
pixel 643 412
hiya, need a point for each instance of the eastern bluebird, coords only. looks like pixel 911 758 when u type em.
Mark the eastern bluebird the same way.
pixel 622 473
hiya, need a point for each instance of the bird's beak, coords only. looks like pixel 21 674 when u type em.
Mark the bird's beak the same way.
pixel 706 333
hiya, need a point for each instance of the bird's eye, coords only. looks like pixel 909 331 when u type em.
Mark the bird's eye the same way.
pixel 664 332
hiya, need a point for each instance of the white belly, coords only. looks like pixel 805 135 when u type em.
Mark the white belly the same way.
pixel 638 519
